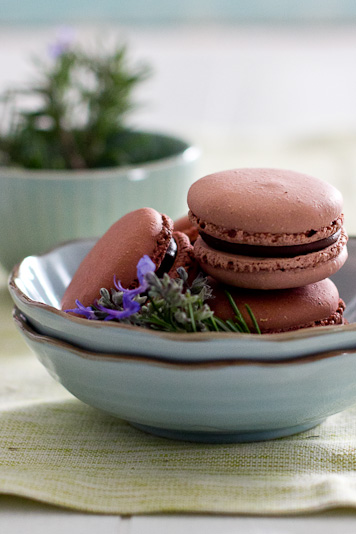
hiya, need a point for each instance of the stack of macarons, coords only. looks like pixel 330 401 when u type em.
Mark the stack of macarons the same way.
pixel 270 237
pixel 273 237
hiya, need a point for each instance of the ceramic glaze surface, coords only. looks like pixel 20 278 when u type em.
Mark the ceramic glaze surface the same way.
pixel 211 402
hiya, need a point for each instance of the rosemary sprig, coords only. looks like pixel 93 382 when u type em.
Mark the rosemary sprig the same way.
pixel 167 304
pixel 81 101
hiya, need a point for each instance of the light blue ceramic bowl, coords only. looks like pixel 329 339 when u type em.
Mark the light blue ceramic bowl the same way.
pixel 39 209
pixel 200 387
pixel 38 283
pixel 208 401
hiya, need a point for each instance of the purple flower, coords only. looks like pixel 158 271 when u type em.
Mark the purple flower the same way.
pixel 130 306
pixel 144 266
pixel 63 42
pixel 88 312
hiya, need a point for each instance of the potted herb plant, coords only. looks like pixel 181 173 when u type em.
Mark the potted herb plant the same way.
pixel 69 164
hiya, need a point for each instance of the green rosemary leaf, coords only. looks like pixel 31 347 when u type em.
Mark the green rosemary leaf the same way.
pixel 154 320
pixel 253 319
pixel 213 322
pixel 235 327
pixel 221 324
pixel 238 314
pixel 191 314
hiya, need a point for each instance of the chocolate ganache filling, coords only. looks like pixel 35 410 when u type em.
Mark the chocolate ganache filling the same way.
pixel 168 260
pixel 262 251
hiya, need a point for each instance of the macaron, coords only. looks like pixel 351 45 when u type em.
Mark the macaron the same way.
pixel 282 310
pixel 267 228
pixel 118 251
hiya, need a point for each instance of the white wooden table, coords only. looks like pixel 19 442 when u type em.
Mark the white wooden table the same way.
pixel 249 97
pixel 19 516
pixel 23 516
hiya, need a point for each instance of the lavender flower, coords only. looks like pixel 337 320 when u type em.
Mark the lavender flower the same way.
pixel 144 266
pixel 63 43
pixel 129 305
pixel 88 312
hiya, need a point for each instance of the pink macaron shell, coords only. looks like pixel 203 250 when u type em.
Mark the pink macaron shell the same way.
pixel 265 203
pixel 271 273
pixel 282 310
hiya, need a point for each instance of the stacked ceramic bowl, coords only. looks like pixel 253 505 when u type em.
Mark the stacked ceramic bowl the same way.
pixel 209 387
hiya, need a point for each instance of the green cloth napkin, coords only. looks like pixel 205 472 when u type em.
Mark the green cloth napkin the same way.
pixel 55 449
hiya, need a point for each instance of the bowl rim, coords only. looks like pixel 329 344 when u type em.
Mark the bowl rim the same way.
pixel 189 153
pixel 30 333
pixel 280 338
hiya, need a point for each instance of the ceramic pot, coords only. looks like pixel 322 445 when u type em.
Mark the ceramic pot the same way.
pixel 39 209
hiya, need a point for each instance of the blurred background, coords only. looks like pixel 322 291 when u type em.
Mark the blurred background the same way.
pixel 252 82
